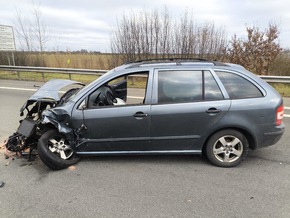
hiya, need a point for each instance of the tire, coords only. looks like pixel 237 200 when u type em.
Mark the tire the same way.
pixel 54 150
pixel 227 148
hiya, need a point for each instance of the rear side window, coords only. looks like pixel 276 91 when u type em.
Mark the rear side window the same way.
pixel 179 86
pixel 187 86
pixel 238 87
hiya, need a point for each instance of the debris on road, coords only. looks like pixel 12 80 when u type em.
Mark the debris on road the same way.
pixel 2 147
pixel 2 184
pixel 7 154
pixel 71 168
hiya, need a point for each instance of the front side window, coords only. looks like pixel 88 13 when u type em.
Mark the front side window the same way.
pixel 128 89
pixel 187 86
pixel 238 87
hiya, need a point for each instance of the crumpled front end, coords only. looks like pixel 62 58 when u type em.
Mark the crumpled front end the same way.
pixel 39 116
pixel 59 118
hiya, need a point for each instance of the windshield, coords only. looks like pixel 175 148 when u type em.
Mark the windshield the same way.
pixel 91 85
pixel 67 96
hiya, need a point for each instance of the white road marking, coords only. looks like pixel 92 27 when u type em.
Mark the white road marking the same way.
pixel 135 97
pixel 19 89
pixel 287 108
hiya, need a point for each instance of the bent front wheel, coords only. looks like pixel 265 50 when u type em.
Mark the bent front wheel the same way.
pixel 54 150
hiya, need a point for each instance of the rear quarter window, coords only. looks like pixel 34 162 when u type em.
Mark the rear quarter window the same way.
pixel 238 87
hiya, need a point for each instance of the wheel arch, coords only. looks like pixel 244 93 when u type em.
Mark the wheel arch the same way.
pixel 250 137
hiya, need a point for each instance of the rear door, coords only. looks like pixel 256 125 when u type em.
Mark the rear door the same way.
pixel 187 105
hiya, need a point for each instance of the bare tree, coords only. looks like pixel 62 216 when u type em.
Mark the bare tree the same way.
pixel 212 42
pixel 156 35
pixel 39 28
pixel 258 51
pixel 23 32
pixel 32 32
pixel 186 37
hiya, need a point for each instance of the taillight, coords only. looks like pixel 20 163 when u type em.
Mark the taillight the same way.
pixel 279 115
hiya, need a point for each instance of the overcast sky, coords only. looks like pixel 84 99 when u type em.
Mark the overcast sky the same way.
pixel 86 24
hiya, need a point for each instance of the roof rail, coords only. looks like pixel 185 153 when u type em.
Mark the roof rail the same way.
pixel 178 61
pixel 167 59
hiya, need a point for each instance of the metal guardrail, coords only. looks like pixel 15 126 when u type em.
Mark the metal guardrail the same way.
pixel 42 70
pixel 276 79
pixel 51 69
pixel 270 79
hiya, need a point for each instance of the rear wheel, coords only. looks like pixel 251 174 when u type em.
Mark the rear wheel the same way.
pixel 54 150
pixel 227 148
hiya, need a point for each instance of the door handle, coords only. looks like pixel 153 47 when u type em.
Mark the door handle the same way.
pixel 213 110
pixel 140 114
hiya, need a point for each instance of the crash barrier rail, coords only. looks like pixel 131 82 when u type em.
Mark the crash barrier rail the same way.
pixel 43 70
pixel 276 79
pixel 70 71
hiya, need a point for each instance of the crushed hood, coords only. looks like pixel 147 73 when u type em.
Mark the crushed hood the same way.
pixel 49 91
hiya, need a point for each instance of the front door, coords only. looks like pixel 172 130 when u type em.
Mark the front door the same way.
pixel 122 128
pixel 117 124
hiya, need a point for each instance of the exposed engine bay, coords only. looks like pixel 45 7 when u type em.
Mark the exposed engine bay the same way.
pixel 42 114
pixel 25 139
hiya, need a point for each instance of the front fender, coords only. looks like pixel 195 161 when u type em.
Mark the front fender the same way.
pixel 58 118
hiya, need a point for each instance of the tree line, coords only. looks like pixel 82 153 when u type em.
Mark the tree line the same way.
pixel 156 35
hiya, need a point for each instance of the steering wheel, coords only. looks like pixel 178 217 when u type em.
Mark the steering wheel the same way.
pixel 109 98
pixel 97 101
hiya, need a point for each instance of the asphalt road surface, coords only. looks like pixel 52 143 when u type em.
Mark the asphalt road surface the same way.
pixel 141 186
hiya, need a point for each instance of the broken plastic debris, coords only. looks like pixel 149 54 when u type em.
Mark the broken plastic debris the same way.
pixel 2 184
pixel 71 168
pixel 2 147
pixel 9 154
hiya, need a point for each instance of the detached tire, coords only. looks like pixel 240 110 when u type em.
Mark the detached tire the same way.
pixel 55 151
pixel 227 148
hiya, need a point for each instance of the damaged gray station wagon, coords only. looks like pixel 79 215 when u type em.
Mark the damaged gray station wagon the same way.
pixel 180 106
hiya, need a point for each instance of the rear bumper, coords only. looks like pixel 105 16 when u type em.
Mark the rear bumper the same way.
pixel 271 138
